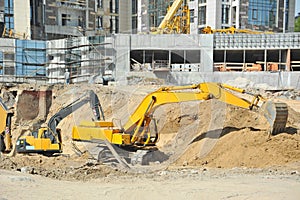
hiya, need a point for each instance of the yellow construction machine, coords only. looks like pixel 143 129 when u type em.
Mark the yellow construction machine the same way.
pixel 232 30
pixel 5 128
pixel 10 33
pixel 136 131
pixel 47 140
pixel 177 19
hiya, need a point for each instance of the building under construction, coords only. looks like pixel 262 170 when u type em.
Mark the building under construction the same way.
pixel 176 59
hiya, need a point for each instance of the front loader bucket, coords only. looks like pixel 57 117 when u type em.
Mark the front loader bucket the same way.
pixel 276 114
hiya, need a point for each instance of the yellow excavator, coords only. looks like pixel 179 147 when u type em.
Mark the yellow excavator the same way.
pixel 5 128
pixel 47 140
pixel 177 19
pixel 136 131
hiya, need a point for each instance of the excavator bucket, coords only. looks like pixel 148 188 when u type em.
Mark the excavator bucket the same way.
pixel 276 114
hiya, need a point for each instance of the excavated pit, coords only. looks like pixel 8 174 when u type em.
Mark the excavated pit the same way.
pixel 195 134
pixel 33 104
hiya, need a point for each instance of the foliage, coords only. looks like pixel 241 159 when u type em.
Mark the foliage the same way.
pixel 297 25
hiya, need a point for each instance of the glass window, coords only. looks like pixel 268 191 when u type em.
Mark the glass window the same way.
pixel 262 12
pixel 254 13
pixel 1 63
pixel 65 18
pixel 225 14
pixel 202 15
pixel 111 9
pixel 117 25
pixel 134 7
pixel 111 25
pixel 116 6
pixel 99 22
pixel 30 58
pixel 9 14
pixel 192 13
pixel 134 24
pixel 99 3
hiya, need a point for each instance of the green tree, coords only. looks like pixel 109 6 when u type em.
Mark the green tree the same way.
pixel 297 25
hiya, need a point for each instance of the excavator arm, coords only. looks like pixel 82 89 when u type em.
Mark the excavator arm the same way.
pixel 137 124
pixel 90 97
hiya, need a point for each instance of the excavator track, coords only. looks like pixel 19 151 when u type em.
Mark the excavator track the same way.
pixel 109 154
pixel 276 114
pixel 125 159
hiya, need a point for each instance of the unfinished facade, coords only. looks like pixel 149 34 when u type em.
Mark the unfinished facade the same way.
pixel 265 15
pixel 56 19
pixel 177 59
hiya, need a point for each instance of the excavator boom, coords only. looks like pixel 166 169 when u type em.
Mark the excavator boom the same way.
pixel 276 113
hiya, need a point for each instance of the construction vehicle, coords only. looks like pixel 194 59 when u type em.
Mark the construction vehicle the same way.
pixel 5 128
pixel 47 140
pixel 136 131
pixel 10 33
pixel 177 19
pixel 232 30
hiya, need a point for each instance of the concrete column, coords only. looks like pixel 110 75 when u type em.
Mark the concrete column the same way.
pixel 122 46
pixel 206 48
pixel 279 59
pixel 288 60
pixel 265 60
pixel 184 56
pixel 169 62
pixel 22 19
pixel 42 104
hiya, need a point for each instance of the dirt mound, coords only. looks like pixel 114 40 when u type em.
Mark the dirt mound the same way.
pixel 60 167
pixel 244 142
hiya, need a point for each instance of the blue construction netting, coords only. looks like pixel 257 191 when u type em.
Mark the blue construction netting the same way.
pixel 30 58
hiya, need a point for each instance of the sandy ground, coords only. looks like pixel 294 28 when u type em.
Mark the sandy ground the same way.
pixel 215 151
pixel 179 184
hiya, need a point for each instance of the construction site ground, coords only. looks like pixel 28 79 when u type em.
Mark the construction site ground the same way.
pixel 214 150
